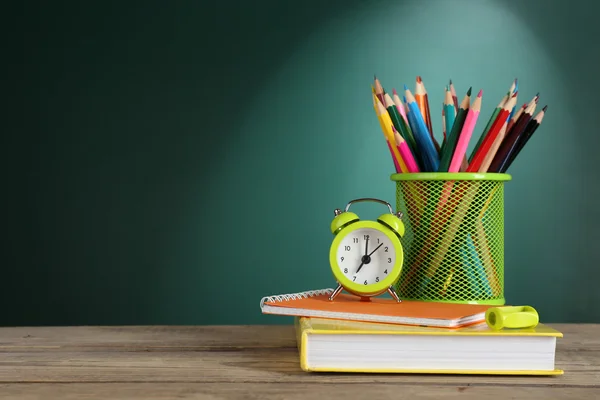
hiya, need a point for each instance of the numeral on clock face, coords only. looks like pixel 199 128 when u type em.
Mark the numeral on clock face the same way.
pixel 365 256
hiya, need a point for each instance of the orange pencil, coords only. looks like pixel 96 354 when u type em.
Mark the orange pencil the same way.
pixel 501 120
pixel 423 103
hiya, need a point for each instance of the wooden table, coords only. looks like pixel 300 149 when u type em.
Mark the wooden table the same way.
pixel 250 362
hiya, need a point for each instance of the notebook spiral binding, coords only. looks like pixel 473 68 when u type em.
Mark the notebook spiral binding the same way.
pixel 294 296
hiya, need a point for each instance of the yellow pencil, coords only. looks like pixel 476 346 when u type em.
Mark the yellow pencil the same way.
pixel 386 126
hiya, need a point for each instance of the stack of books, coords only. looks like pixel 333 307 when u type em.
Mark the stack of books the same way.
pixel 381 335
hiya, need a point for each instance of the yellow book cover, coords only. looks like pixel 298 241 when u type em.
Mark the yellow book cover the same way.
pixel 328 345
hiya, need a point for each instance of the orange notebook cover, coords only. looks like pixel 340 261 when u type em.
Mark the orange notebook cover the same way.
pixel 316 303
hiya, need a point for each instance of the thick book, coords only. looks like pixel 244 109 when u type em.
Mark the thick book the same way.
pixel 316 303
pixel 327 345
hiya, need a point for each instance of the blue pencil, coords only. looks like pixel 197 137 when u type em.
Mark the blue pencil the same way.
pixel 516 89
pixel 421 133
pixel 479 268
pixel 469 270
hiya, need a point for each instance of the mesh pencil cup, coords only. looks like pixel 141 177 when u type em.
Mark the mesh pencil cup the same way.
pixel 454 237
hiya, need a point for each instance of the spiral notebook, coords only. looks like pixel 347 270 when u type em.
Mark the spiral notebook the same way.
pixel 316 303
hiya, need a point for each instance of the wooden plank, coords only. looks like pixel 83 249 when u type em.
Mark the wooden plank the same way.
pixel 248 365
pixel 184 338
pixel 231 354
pixel 145 338
pixel 267 391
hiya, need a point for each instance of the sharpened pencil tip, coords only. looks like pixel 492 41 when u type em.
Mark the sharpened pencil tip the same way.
pixel 404 99
pixel 374 77
pixel 419 78
pixel 469 91
pixel 394 91
pixel 405 88
pixel 480 93
pixel 544 109
pixel 451 81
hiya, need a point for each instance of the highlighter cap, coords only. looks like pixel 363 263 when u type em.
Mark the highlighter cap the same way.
pixel 511 317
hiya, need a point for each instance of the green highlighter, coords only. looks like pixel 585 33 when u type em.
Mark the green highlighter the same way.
pixel 515 317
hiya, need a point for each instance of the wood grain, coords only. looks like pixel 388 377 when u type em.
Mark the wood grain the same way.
pixel 272 391
pixel 224 362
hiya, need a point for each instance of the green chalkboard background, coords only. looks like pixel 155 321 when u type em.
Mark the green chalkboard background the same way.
pixel 171 162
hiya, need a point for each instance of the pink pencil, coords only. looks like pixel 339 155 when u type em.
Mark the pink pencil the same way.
pixel 465 134
pixel 398 169
pixel 405 153
pixel 399 105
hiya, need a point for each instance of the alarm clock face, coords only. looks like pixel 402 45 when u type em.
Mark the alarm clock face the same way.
pixel 366 256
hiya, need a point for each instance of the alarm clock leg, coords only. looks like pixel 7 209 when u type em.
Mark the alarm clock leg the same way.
pixel 393 293
pixel 336 292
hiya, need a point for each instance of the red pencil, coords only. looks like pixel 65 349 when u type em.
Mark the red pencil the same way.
pixel 453 93
pixel 379 92
pixel 483 150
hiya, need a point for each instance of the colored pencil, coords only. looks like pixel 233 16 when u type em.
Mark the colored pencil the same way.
pixel 423 103
pixel 399 123
pixel 399 104
pixel 396 165
pixel 379 90
pixel 465 135
pixel 482 241
pixel 454 97
pixel 393 111
pixel 488 141
pixel 386 122
pixel 443 128
pixel 457 126
pixel 512 136
pixel 425 145
pixel 464 164
pixel 514 88
pixel 489 125
pixel 492 119
pixel 489 157
pixel 405 152
pixel 449 113
pixel 406 130
pixel 515 117
pixel 529 131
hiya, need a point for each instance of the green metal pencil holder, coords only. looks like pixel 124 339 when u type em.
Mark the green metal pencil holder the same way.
pixel 454 238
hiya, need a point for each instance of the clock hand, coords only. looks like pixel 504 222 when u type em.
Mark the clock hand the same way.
pixel 359 267
pixel 367 246
pixel 366 257
pixel 381 244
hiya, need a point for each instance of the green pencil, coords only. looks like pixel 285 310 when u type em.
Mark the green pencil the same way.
pixel 450 146
pixel 449 114
pixel 401 127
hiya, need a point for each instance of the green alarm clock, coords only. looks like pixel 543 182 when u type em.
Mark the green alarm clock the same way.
pixel 366 257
